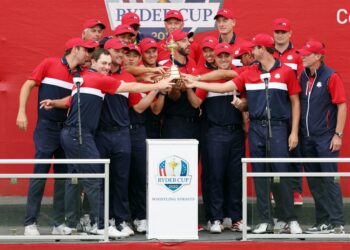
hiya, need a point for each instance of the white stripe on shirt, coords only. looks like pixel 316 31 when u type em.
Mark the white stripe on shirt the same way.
pixel 293 66
pixel 213 94
pixel 261 86
pixel 57 82
pixel 91 91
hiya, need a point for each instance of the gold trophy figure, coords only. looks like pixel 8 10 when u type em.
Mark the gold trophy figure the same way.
pixel 174 70
pixel 173 164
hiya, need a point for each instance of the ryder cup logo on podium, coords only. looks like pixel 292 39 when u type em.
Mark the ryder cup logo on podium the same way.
pixel 173 173
pixel 172 189
pixel 198 15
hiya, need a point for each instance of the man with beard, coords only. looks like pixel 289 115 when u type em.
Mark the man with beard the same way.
pixel 54 77
pixel 181 120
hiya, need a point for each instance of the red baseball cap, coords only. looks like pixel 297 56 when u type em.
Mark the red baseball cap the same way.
pixel 173 14
pixel 209 42
pixel 92 23
pixel 130 18
pixel 312 47
pixel 223 48
pixel 89 44
pixel 123 29
pixel 225 13
pixel 178 35
pixel 133 47
pixel 115 43
pixel 281 24
pixel 244 48
pixel 147 43
pixel 263 40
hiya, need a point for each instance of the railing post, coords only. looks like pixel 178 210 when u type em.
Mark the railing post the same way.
pixel 106 205
pixel 244 200
pixel 98 176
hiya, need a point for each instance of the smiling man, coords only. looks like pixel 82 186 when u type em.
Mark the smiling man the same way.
pixel 223 149
pixel 96 83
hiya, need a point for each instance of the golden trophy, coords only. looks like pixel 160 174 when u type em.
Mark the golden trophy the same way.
pixel 174 70
pixel 173 164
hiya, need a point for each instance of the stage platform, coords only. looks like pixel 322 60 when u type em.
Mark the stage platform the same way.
pixel 12 212
pixel 227 240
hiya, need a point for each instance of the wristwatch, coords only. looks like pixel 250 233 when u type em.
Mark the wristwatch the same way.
pixel 340 134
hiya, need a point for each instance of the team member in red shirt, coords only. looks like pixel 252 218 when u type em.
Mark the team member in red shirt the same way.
pixel 181 120
pixel 224 147
pixel 54 78
pixel 323 116
pixel 93 30
pixel 244 53
pixel 174 20
pixel 284 49
pixel 95 85
pixel 286 53
pixel 226 23
pixel 133 20
pixel 283 90
pixel 124 33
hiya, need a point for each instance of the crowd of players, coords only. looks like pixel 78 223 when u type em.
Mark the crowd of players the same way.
pixel 106 95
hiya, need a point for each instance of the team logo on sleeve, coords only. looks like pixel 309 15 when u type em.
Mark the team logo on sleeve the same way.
pixel 173 173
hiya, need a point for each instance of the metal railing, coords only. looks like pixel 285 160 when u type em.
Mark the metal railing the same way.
pixel 246 174
pixel 104 176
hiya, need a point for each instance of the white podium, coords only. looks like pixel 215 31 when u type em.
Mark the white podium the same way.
pixel 172 189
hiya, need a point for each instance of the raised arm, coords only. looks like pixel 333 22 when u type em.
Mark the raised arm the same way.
pixel 57 103
pixel 193 98
pixel 139 70
pixel 135 87
pixel 219 74
pixel 212 87
pixel 145 102
pixel 158 105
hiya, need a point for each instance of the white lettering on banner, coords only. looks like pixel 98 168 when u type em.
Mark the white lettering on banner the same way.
pixel 173 199
pixel 174 180
pixel 196 15
pixel 343 16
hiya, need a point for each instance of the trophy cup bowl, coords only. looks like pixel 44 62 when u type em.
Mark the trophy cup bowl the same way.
pixel 174 70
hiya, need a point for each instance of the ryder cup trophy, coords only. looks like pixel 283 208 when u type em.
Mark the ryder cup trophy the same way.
pixel 174 70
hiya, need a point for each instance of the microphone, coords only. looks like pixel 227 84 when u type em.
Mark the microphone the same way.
pixel 78 80
pixel 265 78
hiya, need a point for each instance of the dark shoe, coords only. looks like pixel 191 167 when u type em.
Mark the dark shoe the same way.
pixel 319 229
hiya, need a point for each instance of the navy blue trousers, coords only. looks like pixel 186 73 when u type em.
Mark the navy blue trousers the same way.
pixel 137 185
pixel 225 148
pixel 283 193
pixel 153 129
pixel 115 145
pixel 47 146
pixel 325 191
pixel 93 187
pixel 180 128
